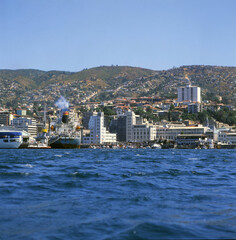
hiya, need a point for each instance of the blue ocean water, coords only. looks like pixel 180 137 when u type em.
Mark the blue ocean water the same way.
pixel 117 194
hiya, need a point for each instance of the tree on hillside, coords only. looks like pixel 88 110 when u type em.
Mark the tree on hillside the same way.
pixel 109 111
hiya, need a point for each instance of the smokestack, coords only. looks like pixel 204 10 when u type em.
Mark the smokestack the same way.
pixel 65 117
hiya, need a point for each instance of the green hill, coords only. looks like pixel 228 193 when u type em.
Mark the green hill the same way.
pixel 106 73
pixel 110 82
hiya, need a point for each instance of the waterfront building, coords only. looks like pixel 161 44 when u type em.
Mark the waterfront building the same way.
pixel 118 126
pixel 189 94
pixel 137 130
pixel 212 134
pixel 5 118
pixel 27 124
pixel 190 140
pixel 86 118
pixel 132 128
pixel 143 133
pixel 228 137
pixel 171 132
pixel 130 121
pixel 98 133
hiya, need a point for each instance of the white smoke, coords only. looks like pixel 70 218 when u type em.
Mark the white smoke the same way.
pixel 62 103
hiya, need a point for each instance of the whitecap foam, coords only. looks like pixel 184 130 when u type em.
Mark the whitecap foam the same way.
pixel 29 165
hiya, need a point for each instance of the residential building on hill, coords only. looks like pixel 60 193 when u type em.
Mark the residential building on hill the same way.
pixel 189 94
pixel 194 108
pixel 21 112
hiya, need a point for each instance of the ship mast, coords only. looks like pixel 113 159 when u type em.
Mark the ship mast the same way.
pixel 44 116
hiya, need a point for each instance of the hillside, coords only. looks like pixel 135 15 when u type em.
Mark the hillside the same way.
pixel 104 83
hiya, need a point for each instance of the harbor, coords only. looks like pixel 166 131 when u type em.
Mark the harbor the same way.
pixel 66 130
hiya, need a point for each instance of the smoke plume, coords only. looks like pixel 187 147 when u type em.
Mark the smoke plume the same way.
pixel 62 103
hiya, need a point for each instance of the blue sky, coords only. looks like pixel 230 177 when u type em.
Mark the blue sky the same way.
pixel 75 34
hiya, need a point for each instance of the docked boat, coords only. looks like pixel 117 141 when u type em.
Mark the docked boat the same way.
pixel 41 141
pixel 156 146
pixel 65 133
pixel 38 146
pixel 65 142
pixel 10 138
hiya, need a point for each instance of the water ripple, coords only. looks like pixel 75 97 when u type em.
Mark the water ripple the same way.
pixel 117 194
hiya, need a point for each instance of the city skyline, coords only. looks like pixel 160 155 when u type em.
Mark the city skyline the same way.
pixel 73 35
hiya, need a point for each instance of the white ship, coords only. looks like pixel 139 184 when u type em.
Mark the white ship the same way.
pixel 10 138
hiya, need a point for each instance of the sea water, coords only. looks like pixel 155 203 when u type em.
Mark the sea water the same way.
pixel 117 194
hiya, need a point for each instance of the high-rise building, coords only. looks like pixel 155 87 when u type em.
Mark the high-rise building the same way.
pixel 130 121
pixel 98 133
pixel 189 94
pixel 86 117
pixel 118 126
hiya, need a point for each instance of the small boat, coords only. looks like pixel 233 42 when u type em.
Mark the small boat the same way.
pixel 10 138
pixel 39 145
pixel 156 146
pixel 41 141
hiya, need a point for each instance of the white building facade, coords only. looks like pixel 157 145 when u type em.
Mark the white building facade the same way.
pixel 98 133
pixel 171 133
pixel 143 133
pixel 27 124
pixel 137 130
pixel 189 94
pixel 227 137
pixel 130 121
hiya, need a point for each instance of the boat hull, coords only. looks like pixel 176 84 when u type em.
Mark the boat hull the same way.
pixel 66 142
pixel 38 147
pixel 10 139
pixel 9 145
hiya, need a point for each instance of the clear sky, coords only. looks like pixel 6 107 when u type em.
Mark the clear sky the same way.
pixel 75 34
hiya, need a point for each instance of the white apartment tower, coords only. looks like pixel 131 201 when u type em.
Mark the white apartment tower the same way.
pixel 189 94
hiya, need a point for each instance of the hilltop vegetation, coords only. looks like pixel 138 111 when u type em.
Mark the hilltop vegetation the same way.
pixel 105 83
